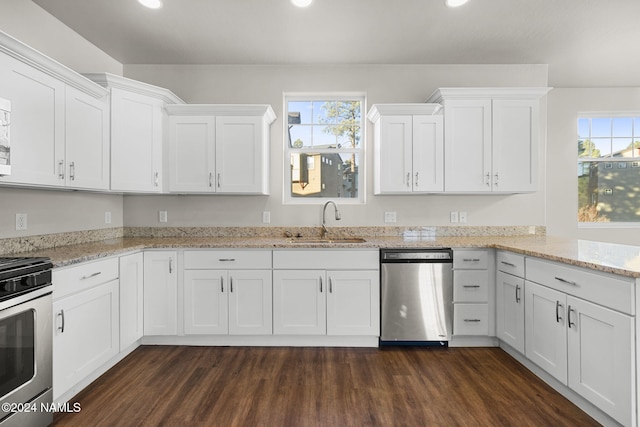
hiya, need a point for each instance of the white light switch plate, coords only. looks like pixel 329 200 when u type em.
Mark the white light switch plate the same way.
pixel 162 216
pixel 21 221
pixel 266 217
pixel 462 216
pixel 390 217
pixel 453 216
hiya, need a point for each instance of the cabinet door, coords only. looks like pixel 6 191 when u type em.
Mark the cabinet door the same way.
pixel 510 310
pixel 192 154
pixel 545 329
pixel 131 299
pixel 37 123
pixel 241 155
pixel 205 302
pixel 160 293
pixel 515 145
pixel 467 146
pixel 136 142
pixel 396 154
pixel 85 334
pixel 353 303
pixel 428 154
pixel 602 357
pixel 250 302
pixel 299 302
pixel 87 141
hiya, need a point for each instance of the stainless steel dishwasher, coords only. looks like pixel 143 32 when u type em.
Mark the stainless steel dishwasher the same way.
pixel 416 296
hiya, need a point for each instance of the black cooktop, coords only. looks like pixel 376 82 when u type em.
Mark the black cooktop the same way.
pixel 21 275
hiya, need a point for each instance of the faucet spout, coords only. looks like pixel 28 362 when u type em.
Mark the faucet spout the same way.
pixel 324 215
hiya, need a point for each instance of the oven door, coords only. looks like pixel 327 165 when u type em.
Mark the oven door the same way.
pixel 25 347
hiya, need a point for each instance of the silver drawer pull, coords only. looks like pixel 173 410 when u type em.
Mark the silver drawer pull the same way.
pixel 226 259
pixel 507 263
pixel 89 276
pixel 472 320
pixel 471 259
pixel 61 327
pixel 568 282
pixel 471 286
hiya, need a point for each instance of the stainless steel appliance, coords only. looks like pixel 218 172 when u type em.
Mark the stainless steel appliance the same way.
pixel 416 296
pixel 26 338
pixel 5 146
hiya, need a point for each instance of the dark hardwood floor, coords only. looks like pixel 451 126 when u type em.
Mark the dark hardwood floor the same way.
pixel 255 386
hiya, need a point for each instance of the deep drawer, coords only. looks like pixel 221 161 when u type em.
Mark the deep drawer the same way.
pixel 510 263
pixel 471 286
pixel 604 289
pixel 471 319
pixel 227 259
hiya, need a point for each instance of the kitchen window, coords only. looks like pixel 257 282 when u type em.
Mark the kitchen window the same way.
pixel 609 170
pixel 324 150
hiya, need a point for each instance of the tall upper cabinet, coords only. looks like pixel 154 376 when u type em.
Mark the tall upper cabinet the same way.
pixel 137 120
pixel 219 148
pixel 491 138
pixel 59 121
pixel 408 148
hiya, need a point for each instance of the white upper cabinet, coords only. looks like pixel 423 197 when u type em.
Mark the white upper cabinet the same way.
pixel 219 148
pixel 491 139
pixel 137 133
pixel 408 148
pixel 60 121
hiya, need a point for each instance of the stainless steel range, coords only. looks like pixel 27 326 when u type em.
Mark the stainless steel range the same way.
pixel 25 342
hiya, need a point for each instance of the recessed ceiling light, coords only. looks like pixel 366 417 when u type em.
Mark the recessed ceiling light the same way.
pixel 151 4
pixel 301 3
pixel 455 3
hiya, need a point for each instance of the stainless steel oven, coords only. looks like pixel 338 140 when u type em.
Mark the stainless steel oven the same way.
pixel 25 342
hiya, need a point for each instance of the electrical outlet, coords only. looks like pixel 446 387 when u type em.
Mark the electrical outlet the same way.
pixel 462 216
pixel 21 221
pixel 453 216
pixel 107 217
pixel 162 216
pixel 390 217
pixel 266 217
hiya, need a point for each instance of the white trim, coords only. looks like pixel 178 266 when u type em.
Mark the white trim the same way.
pixel 108 80
pixel 609 224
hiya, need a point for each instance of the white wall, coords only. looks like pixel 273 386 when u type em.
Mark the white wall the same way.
pixel 562 188
pixel 382 84
pixel 51 211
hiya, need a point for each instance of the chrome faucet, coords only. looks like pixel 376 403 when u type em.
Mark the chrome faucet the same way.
pixel 324 214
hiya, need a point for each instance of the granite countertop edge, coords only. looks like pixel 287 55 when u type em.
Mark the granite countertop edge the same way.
pixel 617 259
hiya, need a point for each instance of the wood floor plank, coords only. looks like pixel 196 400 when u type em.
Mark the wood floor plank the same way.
pixel 251 386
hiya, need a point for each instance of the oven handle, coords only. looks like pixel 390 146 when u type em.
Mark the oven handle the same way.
pixel 61 327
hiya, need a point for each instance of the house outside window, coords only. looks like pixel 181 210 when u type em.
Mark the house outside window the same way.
pixel 324 148
pixel 608 170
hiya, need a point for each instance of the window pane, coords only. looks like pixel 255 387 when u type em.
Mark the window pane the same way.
pixel 584 128
pixel 601 147
pixel 323 138
pixel 622 126
pixel 600 127
pixel 300 136
pixel 324 175
pixel 300 112
pixel 622 147
pixel 609 191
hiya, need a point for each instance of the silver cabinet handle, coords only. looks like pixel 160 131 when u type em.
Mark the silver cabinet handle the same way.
pixel 472 320
pixel 488 180
pixel 89 276
pixel 471 259
pixel 496 181
pixel 170 265
pixel 210 179
pixel 518 293
pixel 231 284
pixel 226 259
pixel 320 284
pixel 470 286
pixel 72 171
pixel 416 183
pixel 507 263
pixel 569 322
pixel 568 282
pixel 61 169
pixel 61 327
pixel 155 179
pixel 408 179
pixel 219 180
pixel 221 284
pixel 330 285
pixel 558 306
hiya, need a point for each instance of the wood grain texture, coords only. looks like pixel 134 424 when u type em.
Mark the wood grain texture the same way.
pixel 240 386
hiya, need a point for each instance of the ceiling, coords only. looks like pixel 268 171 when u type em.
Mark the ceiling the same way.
pixel 585 42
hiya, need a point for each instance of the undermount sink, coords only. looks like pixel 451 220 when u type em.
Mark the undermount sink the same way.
pixel 326 240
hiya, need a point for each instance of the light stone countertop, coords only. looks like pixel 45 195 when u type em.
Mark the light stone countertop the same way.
pixel 606 257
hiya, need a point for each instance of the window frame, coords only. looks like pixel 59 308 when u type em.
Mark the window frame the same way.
pixel 610 115
pixel 361 151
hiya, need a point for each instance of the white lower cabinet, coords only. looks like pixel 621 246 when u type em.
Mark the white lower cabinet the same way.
pixel 473 293
pixel 131 299
pixel 160 293
pixel 299 302
pixel 227 302
pixel 510 310
pixel 586 346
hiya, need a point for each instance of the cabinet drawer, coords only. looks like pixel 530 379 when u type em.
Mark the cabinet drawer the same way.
pixel 83 276
pixel 471 319
pixel 227 259
pixel 510 263
pixel 471 286
pixel 604 289
pixel 336 259
pixel 470 259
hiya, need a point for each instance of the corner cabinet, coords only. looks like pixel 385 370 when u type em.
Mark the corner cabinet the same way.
pixel 137 132
pixel 491 138
pixel 160 293
pixel 408 148
pixel 219 148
